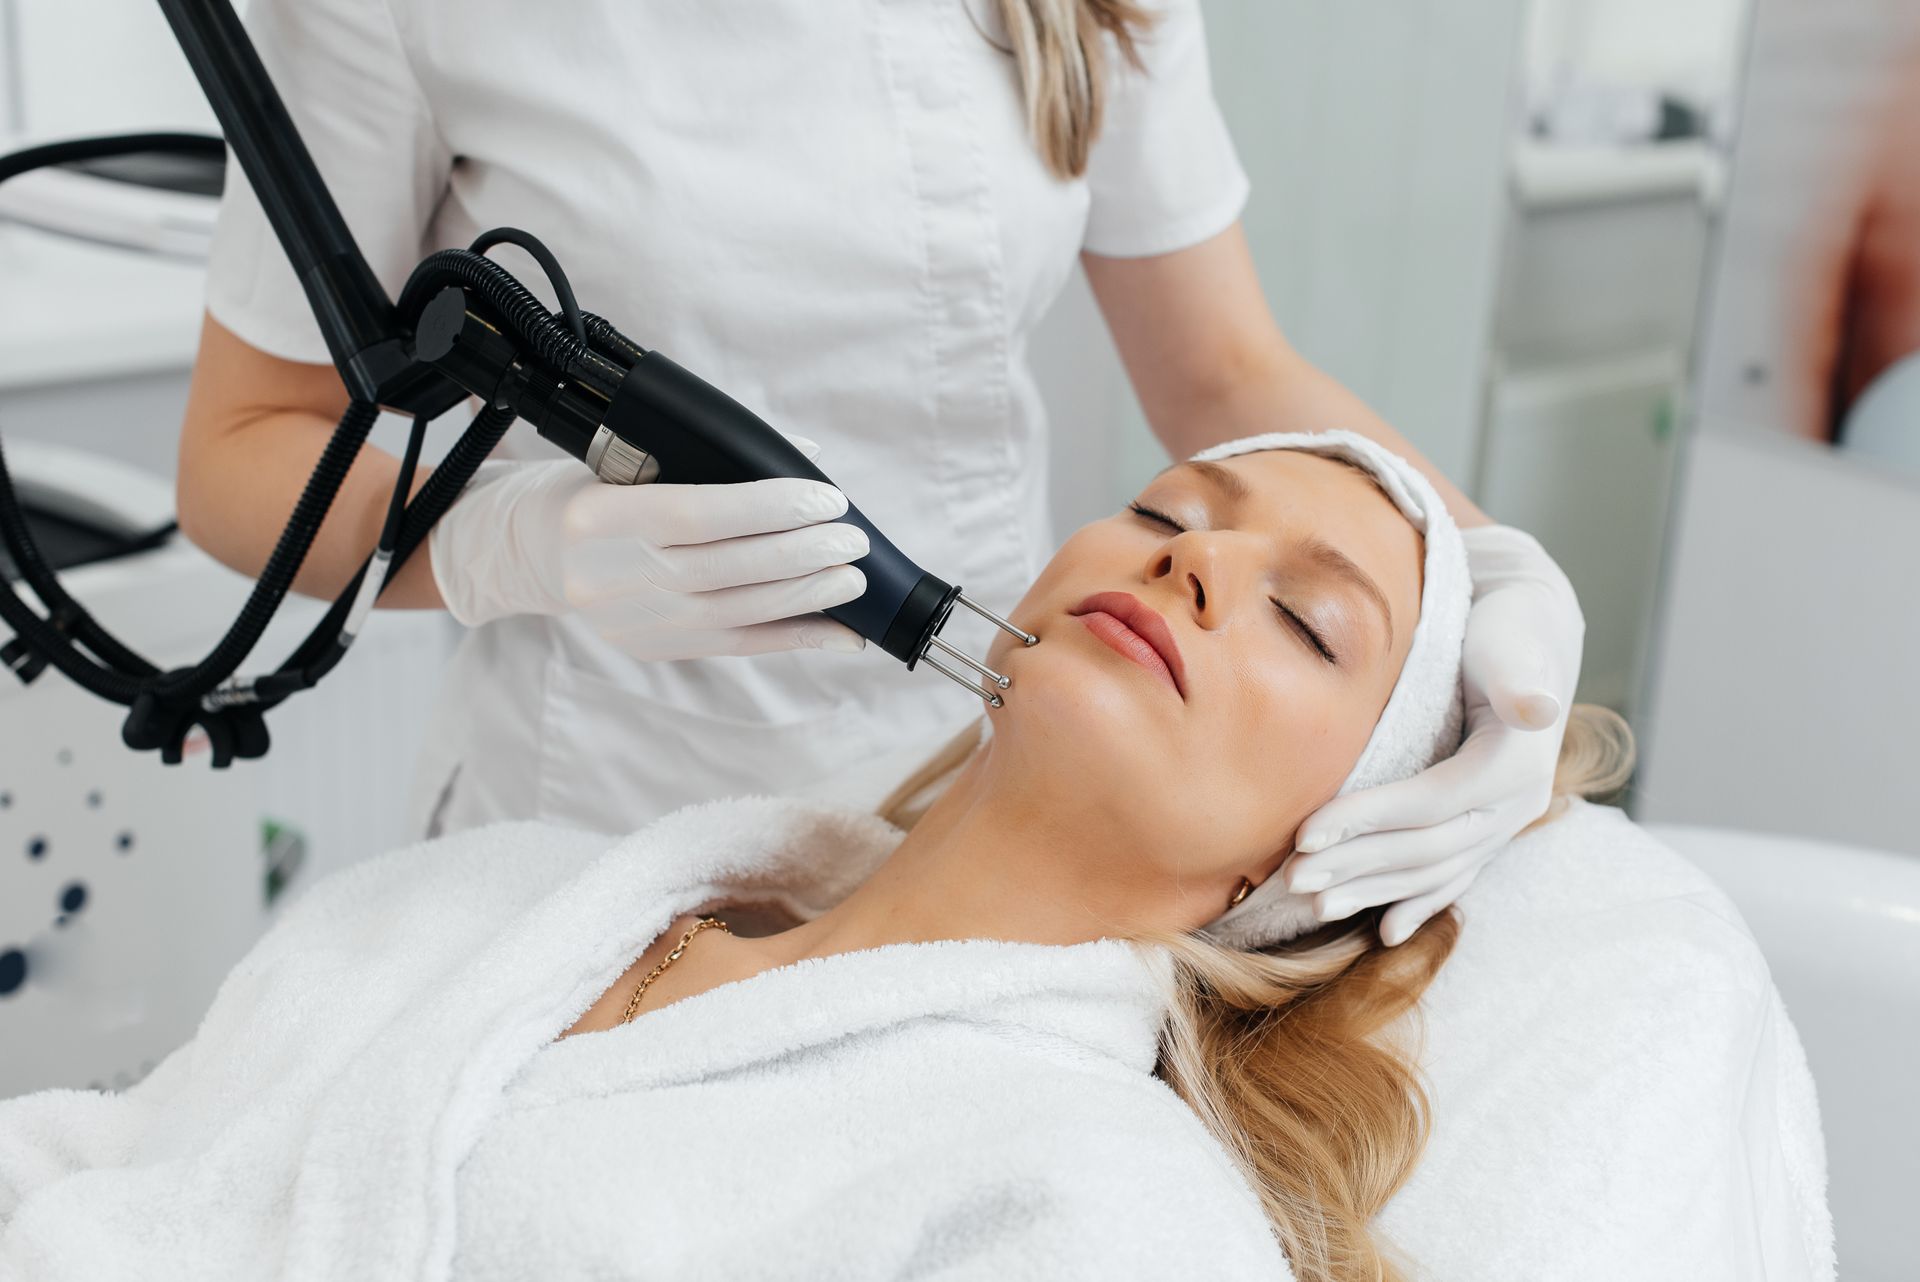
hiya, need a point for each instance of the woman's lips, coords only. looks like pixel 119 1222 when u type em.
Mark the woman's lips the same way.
pixel 1136 630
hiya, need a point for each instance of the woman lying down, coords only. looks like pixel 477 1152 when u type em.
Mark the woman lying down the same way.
pixel 1071 1025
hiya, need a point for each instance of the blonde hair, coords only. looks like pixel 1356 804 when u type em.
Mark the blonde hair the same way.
pixel 1059 47
pixel 1296 1057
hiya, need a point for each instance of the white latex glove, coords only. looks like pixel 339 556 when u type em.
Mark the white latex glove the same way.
pixel 1419 843
pixel 661 571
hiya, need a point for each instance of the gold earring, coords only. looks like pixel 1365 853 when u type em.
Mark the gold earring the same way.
pixel 1245 889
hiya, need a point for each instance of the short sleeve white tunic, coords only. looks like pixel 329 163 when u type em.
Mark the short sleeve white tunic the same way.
pixel 833 212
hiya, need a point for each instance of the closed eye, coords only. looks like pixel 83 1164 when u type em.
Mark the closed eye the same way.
pixel 1299 625
pixel 1143 510
pixel 1306 630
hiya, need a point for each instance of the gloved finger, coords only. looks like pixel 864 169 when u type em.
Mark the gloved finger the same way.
pixel 1472 778
pixel 1399 922
pixel 1503 659
pixel 808 632
pixel 669 515
pixel 807 446
pixel 1380 852
pixel 1387 888
pixel 607 569
pixel 760 602
pixel 757 558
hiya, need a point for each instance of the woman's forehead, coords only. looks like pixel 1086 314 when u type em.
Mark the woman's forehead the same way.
pixel 1281 479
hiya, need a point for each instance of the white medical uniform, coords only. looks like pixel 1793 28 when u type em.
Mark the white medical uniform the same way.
pixel 835 213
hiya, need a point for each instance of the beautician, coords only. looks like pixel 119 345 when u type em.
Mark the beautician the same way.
pixel 849 217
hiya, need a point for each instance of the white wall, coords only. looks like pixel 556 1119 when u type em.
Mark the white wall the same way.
pixel 1787 686
pixel 1657 44
pixel 11 89
pixel 102 66
pixel 1376 137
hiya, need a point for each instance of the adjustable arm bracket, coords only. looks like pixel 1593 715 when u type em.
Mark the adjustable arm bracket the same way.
pixel 366 338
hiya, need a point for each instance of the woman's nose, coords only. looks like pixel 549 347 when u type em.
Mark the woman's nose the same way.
pixel 1206 570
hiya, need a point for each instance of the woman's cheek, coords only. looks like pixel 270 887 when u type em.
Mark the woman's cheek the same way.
pixel 1315 737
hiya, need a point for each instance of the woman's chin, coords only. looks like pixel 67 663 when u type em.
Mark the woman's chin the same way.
pixel 1076 685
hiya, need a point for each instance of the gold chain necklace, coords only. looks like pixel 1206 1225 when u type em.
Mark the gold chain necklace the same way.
pixel 633 1002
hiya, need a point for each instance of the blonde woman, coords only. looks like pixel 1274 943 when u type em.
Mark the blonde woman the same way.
pixel 1071 1025
pixel 850 217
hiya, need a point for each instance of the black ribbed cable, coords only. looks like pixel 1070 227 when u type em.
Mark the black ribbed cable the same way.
pixel 110 659
pixel 610 342
pixel 523 314
pixel 289 553
pixel 76 622
pixel 556 274
pixel 594 353
pixel 120 678
pixel 322 649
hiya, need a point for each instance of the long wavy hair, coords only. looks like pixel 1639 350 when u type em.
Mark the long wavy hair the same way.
pixel 1299 1057
pixel 1061 49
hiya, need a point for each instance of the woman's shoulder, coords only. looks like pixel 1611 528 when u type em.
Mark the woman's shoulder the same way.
pixel 1131 1168
pixel 1133 1122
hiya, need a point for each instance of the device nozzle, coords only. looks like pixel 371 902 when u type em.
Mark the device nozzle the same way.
pixel 1026 638
pixel 991 682
pixel 993 699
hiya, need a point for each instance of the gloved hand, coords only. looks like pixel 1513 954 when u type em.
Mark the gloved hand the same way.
pixel 1419 843
pixel 660 571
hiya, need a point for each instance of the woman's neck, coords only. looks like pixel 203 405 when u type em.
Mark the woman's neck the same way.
pixel 989 860
pixel 997 856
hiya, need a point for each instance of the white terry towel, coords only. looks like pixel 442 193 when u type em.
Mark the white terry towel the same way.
pixel 374 1093
pixel 1617 1093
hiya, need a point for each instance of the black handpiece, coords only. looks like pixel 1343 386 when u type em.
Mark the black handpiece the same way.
pixel 463 326
pixel 663 422
pixel 694 433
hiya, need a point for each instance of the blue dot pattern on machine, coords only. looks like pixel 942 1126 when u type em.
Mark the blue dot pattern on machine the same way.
pixel 128 890
pixel 15 958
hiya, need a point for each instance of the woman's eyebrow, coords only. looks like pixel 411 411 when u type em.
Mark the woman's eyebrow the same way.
pixel 1337 563
pixel 1223 478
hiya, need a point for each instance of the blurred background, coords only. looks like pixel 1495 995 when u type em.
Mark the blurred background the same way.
pixel 1642 275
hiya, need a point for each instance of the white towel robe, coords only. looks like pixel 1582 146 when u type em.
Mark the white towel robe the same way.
pixel 374 1094
pixel 1618 1094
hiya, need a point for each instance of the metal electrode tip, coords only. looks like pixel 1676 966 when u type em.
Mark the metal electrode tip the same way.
pixel 988 675
pixel 1026 638
pixel 971 662
pixel 993 700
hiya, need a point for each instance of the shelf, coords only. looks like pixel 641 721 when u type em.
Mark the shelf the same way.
pixel 1554 176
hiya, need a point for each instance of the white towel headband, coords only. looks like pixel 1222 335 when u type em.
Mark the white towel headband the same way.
pixel 1422 721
